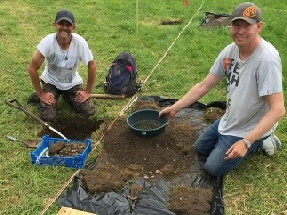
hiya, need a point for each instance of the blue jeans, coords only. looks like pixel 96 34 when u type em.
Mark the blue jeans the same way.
pixel 213 145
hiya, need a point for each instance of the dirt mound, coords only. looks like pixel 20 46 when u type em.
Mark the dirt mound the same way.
pixel 127 157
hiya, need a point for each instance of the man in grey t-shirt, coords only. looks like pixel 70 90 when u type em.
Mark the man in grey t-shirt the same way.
pixel 62 53
pixel 255 100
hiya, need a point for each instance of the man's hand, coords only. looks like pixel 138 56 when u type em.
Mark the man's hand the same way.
pixel 47 98
pixel 169 112
pixel 82 96
pixel 237 150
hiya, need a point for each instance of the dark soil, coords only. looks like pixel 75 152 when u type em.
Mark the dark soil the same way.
pixel 211 21
pixel 126 157
pixel 76 127
pixel 170 22
pixel 213 114
pixel 187 200
pixel 60 148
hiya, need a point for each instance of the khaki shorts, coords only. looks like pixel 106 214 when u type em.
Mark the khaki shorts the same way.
pixel 48 112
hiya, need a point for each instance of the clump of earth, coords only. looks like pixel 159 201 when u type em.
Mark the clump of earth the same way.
pixel 71 149
pixel 212 114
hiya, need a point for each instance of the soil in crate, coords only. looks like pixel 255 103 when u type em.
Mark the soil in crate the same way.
pixel 60 148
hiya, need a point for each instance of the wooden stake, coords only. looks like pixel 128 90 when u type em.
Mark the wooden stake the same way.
pixel 71 211
pixel 137 16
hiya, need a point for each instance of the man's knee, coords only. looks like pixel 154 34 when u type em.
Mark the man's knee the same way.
pixel 216 165
pixel 87 108
pixel 200 147
pixel 197 147
pixel 213 169
pixel 47 112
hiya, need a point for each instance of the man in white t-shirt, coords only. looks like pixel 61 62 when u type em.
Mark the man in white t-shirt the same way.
pixel 62 52
pixel 255 100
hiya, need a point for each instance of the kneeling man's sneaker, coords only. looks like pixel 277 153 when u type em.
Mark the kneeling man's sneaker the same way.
pixel 271 145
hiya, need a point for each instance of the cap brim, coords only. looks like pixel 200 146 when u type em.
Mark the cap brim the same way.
pixel 249 20
pixel 65 18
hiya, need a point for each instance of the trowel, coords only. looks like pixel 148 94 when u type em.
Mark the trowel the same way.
pixel 29 143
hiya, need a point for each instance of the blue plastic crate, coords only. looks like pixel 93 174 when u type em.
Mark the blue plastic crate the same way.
pixel 39 156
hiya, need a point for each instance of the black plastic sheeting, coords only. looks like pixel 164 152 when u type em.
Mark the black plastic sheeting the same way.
pixel 154 199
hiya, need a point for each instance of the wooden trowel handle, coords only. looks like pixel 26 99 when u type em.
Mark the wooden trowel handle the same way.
pixel 18 105
pixel 107 96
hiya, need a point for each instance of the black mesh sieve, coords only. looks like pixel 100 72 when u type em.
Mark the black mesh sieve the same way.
pixel 146 125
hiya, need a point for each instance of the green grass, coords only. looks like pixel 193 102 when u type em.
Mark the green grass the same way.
pixel 257 187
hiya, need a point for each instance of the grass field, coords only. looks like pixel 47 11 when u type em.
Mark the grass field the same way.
pixel 258 186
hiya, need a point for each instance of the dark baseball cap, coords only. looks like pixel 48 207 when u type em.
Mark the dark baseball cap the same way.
pixel 247 11
pixel 65 15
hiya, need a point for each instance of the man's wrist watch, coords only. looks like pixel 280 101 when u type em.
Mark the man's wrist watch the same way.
pixel 247 143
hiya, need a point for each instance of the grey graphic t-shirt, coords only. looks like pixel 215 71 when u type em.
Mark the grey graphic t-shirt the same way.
pixel 61 67
pixel 248 82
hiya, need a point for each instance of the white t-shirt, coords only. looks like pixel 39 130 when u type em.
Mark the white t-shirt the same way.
pixel 247 82
pixel 61 67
